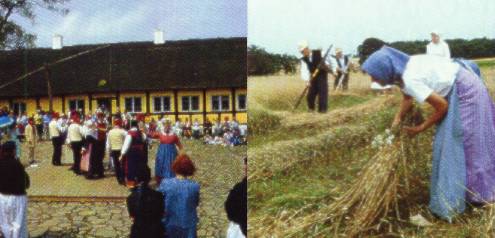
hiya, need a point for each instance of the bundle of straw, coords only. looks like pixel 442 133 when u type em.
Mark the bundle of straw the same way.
pixel 376 192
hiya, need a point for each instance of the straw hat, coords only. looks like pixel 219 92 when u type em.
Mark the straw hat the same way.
pixel 302 45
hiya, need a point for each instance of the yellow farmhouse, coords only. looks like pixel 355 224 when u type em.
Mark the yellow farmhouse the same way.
pixel 195 79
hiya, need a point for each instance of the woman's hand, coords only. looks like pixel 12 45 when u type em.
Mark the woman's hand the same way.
pixel 413 131
pixel 396 122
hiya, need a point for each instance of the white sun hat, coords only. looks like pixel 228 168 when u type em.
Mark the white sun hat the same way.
pixel 302 45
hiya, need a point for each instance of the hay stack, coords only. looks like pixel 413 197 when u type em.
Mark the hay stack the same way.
pixel 376 193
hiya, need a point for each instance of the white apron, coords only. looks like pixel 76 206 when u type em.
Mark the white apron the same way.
pixel 13 216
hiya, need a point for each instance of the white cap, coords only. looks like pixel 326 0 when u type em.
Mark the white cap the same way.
pixel 302 45
pixel 435 32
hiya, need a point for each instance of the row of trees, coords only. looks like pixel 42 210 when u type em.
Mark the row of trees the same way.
pixel 474 48
pixel 261 62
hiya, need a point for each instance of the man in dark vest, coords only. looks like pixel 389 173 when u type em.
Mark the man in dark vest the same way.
pixel 318 86
pixel 342 63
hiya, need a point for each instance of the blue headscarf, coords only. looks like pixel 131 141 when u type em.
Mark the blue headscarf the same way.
pixel 387 64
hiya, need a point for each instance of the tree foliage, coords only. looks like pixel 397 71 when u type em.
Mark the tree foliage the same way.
pixel 12 35
pixel 459 48
pixel 261 62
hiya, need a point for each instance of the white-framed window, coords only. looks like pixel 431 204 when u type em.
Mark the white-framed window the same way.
pixel 76 105
pixel 220 103
pixel 190 103
pixel 161 104
pixel 242 102
pixel 19 107
pixel 133 104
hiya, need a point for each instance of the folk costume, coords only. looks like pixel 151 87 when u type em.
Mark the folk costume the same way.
pixel 318 87
pixel 166 154
pixel 75 138
pixel 98 150
pixel 133 155
pixel 181 198
pixel 115 141
pixel 55 130
pixel 441 48
pixel 342 63
pixel 464 145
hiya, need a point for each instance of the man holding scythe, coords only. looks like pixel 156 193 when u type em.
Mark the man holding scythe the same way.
pixel 342 70
pixel 314 70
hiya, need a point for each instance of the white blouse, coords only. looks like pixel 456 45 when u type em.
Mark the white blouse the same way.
pixel 425 74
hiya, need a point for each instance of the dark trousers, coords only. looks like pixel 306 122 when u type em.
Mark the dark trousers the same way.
pixel 345 81
pixel 318 87
pixel 119 169
pixel 76 154
pixel 96 158
pixel 57 150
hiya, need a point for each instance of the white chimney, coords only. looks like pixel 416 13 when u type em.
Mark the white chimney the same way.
pixel 57 42
pixel 159 39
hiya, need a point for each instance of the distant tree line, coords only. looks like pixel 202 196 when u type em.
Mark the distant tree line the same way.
pixel 261 62
pixel 474 48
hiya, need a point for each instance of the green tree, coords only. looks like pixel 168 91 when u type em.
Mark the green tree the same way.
pixel 261 62
pixel 12 35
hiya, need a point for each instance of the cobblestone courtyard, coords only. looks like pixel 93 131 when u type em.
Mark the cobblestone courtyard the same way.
pixel 64 205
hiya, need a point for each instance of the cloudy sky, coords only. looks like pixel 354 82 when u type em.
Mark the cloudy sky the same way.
pixel 278 25
pixel 98 21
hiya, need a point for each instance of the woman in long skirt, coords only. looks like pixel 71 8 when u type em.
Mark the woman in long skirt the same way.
pixel 167 152
pixel 133 153
pixel 464 146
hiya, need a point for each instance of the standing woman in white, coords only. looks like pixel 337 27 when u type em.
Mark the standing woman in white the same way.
pixel 437 46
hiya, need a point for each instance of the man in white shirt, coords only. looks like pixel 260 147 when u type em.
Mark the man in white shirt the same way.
pixel 115 141
pixel 341 63
pixel 437 46
pixel 75 136
pixel 318 86
pixel 54 130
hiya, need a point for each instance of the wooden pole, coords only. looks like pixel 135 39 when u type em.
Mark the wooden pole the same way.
pixel 52 64
pixel 49 88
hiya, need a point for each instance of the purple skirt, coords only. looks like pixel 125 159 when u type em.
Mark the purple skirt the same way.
pixel 463 167
pixel 477 114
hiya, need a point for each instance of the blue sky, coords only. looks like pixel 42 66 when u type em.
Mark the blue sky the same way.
pixel 278 25
pixel 102 21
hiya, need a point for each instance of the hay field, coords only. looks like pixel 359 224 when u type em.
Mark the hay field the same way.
pixel 301 162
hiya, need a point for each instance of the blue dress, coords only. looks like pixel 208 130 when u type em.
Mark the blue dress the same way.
pixel 181 198
pixel 165 156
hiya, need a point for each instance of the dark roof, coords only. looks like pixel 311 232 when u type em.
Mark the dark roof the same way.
pixel 131 66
